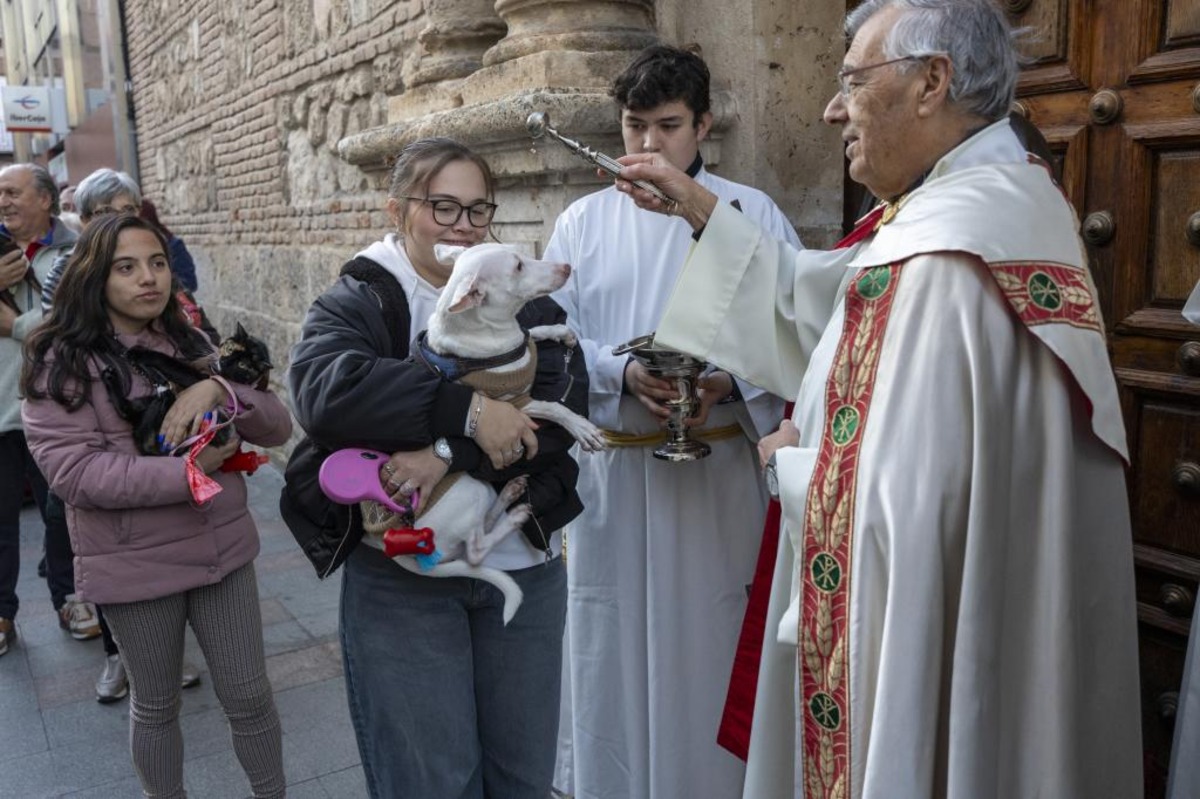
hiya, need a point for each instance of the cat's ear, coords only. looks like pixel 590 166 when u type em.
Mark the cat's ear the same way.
pixel 241 331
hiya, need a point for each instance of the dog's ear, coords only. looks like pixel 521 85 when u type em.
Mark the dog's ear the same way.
pixel 447 254
pixel 467 294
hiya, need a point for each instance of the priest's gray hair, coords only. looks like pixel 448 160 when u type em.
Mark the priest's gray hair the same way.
pixel 102 187
pixel 975 35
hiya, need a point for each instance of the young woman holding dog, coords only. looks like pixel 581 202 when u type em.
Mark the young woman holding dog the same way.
pixel 156 559
pixel 446 700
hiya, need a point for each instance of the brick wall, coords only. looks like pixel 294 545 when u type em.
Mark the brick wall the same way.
pixel 240 104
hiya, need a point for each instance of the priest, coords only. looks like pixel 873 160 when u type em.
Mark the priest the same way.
pixel 952 609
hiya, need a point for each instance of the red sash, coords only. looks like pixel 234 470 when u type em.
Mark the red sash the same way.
pixel 736 720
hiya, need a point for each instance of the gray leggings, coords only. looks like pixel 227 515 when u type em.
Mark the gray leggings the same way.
pixel 228 625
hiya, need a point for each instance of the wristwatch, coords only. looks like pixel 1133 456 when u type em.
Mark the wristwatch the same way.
pixel 772 478
pixel 441 448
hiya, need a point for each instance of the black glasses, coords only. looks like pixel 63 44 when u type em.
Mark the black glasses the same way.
pixel 448 212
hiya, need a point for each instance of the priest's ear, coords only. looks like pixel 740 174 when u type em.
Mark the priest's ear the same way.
pixel 934 86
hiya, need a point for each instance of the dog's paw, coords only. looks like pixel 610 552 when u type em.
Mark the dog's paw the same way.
pixel 569 339
pixel 590 437
pixel 513 490
pixel 519 514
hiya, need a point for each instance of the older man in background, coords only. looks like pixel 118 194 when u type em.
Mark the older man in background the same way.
pixel 31 237
pixel 953 602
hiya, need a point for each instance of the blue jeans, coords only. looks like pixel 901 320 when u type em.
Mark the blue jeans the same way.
pixel 447 702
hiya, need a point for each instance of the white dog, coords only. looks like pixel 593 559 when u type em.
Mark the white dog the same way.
pixel 475 320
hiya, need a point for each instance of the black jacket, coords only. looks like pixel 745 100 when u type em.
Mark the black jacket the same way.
pixel 353 387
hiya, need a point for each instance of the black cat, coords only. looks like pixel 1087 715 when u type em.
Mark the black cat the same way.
pixel 241 359
pixel 244 359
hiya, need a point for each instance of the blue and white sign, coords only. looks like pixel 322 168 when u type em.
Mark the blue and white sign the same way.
pixel 27 109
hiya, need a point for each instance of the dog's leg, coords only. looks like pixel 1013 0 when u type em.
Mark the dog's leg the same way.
pixel 586 433
pixel 457 568
pixel 554 333
pixel 478 546
pixel 511 492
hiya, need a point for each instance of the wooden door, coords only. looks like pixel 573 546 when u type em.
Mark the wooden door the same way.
pixel 1115 88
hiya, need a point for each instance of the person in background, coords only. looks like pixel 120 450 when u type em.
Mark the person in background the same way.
pixel 159 554
pixel 182 264
pixel 659 564
pixel 66 200
pixel 447 700
pixel 30 228
pixel 952 610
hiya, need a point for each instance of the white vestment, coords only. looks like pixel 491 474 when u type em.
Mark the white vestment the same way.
pixel 658 565
pixel 963 594
pixel 1185 766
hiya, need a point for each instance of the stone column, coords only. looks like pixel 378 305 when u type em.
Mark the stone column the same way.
pixel 452 43
pixel 561 44
pixel 558 56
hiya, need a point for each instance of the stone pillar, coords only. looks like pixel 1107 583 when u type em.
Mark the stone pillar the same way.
pixel 453 42
pixel 558 56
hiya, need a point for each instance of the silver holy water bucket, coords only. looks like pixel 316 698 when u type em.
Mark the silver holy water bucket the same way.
pixel 684 371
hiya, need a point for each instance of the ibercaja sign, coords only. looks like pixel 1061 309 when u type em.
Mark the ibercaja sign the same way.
pixel 26 109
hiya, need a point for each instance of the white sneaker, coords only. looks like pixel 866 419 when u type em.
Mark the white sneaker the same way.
pixel 189 675
pixel 79 618
pixel 112 685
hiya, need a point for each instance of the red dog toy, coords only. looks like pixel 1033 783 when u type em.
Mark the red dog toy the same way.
pixel 407 541
pixel 243 461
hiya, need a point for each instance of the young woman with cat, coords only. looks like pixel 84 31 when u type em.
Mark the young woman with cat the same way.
pixel 146 548
pixel 446 700
pixel 104 193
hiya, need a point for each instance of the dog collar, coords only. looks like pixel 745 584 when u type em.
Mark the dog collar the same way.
pixel 453 368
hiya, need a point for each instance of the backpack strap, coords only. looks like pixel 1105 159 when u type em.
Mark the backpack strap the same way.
pixel 392 299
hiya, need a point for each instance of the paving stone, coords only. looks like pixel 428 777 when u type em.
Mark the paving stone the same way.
pixel 309 789
pixel 346 784
pixel 286 636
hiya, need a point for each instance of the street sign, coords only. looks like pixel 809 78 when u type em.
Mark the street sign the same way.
pixel 27 109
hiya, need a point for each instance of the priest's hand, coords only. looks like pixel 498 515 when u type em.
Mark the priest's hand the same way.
pixel 692 201
pixel 650 391
pixel 786 436
pixel 711 389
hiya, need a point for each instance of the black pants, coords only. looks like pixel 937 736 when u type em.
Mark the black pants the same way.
pixel 16 465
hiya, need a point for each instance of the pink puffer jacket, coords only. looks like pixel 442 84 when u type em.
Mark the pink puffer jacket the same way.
pixel 135 532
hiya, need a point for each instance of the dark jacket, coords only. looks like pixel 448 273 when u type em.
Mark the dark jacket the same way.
pixel 352 389
pixel 182 264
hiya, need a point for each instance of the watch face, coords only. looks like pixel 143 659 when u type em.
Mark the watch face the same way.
pixel 441 448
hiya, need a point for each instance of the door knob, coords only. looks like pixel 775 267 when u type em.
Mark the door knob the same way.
pixel 1099 228
pixel 1105 106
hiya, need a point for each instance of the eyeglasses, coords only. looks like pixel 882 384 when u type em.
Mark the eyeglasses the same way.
pixel 107 210
pixel 448 212
pixel 846 89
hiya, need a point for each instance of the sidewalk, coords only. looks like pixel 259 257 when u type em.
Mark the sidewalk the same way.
pixel 56 740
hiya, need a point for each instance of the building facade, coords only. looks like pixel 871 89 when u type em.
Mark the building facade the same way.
pixel 264 130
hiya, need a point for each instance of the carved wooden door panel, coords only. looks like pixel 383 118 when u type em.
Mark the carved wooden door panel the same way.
pixel 1115 88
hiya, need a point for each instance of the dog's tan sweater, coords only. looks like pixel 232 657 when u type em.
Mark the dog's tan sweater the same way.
pixel 511 386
